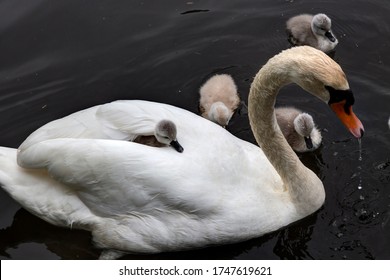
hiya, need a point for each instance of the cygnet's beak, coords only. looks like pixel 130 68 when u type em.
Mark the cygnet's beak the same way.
pixel 348 118
pixel 175 144
pixel 330 36
pixel 309 143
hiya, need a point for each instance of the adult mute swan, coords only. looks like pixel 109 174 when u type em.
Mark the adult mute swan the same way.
pixel 311 30
pixel 140 199
pixel 219 99
pixel 298 128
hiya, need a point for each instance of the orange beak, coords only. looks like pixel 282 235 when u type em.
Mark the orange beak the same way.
pixel 348 118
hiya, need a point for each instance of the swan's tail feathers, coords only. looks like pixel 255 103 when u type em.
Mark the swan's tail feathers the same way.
pixel 41 195
pixel 8 166
pixel 14 179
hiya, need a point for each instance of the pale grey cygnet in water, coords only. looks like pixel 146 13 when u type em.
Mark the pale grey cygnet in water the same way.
pixel 299 129
pixel 164 135
pixel 311 30
pixel 219 99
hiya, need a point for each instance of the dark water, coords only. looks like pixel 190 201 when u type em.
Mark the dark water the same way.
pixel 58 57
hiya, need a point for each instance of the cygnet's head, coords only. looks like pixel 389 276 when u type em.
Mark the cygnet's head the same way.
pixel 304 126
pixel 219 113
pixel 165 133
pixel 321 25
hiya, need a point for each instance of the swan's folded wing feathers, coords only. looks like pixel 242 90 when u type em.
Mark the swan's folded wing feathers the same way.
pixel 115 177
pixel 81 124
pixel 129 119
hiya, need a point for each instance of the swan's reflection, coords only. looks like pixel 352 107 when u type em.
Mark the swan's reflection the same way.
pixel 64 243
pixel 292 241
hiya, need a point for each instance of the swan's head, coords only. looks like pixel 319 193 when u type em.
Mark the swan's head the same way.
pixel 321 25
pixel 320 75
pixel 166 132
pixel 304 126
pixel 219 113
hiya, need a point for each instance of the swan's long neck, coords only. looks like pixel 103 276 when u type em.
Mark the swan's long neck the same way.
pixel 305 188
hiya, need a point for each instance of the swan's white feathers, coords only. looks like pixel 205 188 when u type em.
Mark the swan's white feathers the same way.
pixel 132 186
pixel 139 199
pixel 123 120
pixel 43 196
pixel 129 201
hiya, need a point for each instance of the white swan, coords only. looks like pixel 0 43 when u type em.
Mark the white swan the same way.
pixel 141 199
pixel 298 128
pixel 164 135
pixel 219 99
pixel 311 30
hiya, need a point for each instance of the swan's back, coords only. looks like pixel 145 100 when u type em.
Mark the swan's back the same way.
pixel 119 120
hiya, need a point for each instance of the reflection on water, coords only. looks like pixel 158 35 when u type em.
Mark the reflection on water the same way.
pixel 28 229
pixel 58 58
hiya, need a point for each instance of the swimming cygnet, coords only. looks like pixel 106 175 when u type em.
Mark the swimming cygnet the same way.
pixel 311 30
pixel 219 99
pixel 299 129
pixel 164 135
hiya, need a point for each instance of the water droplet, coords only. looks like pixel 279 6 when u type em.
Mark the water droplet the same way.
pixel 360 187
pixel 360 149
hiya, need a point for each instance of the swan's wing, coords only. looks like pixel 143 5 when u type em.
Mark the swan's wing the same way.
pixel 119 120
pixel 137 117
pixel 122 178
pixel 82 124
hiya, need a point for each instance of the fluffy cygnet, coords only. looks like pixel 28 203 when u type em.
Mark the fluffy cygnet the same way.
pixel 219 99
pixel 312 30
pixel 164 135
pixel 299 129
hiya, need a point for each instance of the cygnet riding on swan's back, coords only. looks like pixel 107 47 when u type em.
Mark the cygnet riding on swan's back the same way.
pixel 298 128
pixel 164 135
pixel 219 99
pixel 140 199
pixel 311 30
